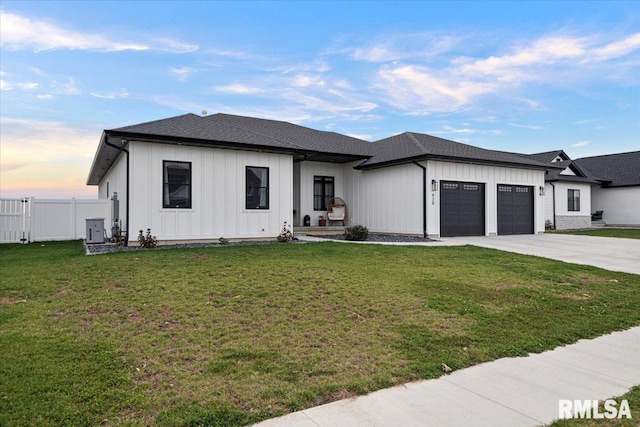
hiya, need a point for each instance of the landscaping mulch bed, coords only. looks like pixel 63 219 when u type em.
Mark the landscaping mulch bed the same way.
pixel 108 248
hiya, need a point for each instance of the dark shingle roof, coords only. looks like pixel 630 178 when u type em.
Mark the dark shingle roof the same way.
pixel 250 131
pixel 306 138
pixel 416 146
pixel 548 156
pixel 556 174
pixel 616 170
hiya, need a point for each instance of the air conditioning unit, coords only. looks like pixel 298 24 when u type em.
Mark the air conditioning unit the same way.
pixel 95 230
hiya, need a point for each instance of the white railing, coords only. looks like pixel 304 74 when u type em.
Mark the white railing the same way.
pixel 35 220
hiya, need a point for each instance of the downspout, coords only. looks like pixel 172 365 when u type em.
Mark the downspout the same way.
pixel 124 150
pixel 424 198
pixel 554 205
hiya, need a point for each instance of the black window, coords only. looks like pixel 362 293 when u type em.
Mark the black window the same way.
pixel 323 191
pixel 176 178
pixel 574 200
pixel 257 183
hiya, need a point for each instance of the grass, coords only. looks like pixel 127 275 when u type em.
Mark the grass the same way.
pixel 233 335
pixel 626 233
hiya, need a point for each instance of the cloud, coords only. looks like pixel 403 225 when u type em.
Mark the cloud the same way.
pixel 181 74
pixel 421 84
pixel 58 160
pixel 532 127
pixel 174 46
pixel 66 88
pixel 305 80
pixel 18 32
pixel 398 47
pixel 25 86
pixel 617 48
pixel 423 90
pixel 238 88
pixel 123 93
pixel 580 144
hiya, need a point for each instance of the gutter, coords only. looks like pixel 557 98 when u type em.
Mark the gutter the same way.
pixel 124 150
pixel 554 204
pixel 424 198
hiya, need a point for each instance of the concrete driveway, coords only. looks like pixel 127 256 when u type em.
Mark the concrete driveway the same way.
pixel 605 252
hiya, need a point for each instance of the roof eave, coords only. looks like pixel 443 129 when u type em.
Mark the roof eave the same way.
pixel 453 159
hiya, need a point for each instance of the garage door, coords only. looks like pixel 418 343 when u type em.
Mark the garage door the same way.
pixel 515 209
pixel 461 209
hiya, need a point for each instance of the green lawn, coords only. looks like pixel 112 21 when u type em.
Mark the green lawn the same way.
pixel 627 233
pixel 232 335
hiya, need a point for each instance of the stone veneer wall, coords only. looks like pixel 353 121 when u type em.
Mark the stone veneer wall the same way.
pixel 566 222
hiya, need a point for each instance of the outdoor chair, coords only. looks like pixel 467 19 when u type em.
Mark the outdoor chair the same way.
pixel 597 216
pixel 336 210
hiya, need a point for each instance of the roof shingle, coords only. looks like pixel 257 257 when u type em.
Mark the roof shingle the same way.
pixel 618 170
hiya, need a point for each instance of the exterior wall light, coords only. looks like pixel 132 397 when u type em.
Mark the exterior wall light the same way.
pixel 541 190
pixel 434 185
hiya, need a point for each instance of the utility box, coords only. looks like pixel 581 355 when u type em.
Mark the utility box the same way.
pixel 95 230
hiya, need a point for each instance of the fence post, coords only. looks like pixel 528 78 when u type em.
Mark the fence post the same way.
pixel 31 212
pixel 73 217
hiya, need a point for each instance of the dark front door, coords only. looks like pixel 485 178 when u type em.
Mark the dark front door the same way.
pixel 461 209
pixel 515 209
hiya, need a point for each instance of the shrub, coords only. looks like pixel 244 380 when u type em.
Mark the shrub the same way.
pixel 147 241
pixel 356 233
pixel 285 235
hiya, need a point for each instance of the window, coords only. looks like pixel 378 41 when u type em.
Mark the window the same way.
pixel 176 178
pixel 574 200
pixel 323 191
pixel 257 183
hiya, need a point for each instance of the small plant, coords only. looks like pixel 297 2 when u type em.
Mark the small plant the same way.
pixel 321 217
pixel 223 241
pixel 356 233
pixel 285 236
pixel 147 240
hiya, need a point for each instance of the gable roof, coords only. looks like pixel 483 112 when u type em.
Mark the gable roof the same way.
pixel 556 174
pixel 548 156
pixel 614 170
pixel 410 146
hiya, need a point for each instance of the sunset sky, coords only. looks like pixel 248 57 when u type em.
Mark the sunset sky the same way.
pixel 513 76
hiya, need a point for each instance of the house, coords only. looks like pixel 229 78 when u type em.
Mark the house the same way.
pixel 618 189
pixel 567 192
pixel 201 178
pixel 609 183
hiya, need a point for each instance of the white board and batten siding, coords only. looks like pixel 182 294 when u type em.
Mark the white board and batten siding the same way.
pixel 386 200
pixel 390 199
pixel 217 193
pixel 621 205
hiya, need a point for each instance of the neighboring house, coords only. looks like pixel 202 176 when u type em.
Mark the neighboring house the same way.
pixel 568 192
pixel 202 178
pixel 618 192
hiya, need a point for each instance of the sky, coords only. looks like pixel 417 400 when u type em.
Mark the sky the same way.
pixel 513 76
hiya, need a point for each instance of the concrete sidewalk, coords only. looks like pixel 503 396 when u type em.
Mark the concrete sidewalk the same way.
pixel 508 392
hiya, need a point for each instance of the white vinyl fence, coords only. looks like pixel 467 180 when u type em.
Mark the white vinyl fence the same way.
pixel 36 220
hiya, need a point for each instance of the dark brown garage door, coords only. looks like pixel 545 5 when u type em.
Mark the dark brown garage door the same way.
pixel 461 209
pixel 515 209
